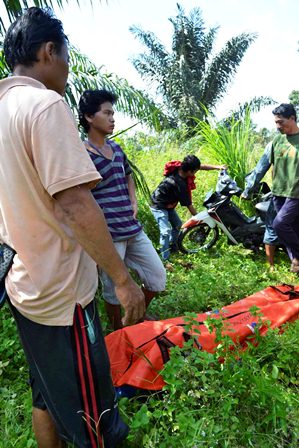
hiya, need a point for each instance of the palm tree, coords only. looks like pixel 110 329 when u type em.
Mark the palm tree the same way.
pixel 189 78
pixel 85 75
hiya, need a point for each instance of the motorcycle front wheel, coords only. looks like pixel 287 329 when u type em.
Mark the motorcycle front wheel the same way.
pixel 194 239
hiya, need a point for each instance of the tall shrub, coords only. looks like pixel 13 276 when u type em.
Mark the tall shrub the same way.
pixel 231 143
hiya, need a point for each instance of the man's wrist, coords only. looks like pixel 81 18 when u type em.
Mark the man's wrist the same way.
pixel 123 279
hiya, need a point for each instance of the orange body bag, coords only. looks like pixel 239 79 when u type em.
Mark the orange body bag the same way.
pixel 138 353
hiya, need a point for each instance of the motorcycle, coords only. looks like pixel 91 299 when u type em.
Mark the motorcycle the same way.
pixel 202 230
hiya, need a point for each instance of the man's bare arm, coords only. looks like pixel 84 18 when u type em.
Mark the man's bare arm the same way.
pixel 87 221
pixel 132 194
pixel 212 167
pixel 192 210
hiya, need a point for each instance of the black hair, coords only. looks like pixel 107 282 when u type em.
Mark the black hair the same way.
pixel 28 33
pixel 190 163
pixel 90 103
pixel 285 110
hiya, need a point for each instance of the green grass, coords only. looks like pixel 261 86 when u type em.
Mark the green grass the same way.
pixel 243 404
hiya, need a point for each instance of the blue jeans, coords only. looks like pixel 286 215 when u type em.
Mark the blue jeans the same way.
pixel 169 225
pixel 286 223
pixel 270 236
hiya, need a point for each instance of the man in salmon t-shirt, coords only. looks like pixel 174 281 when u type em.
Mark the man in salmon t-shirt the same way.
pixel 49 217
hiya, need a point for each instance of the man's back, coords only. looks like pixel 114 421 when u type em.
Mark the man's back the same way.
pixel 170 191
pixel 47 276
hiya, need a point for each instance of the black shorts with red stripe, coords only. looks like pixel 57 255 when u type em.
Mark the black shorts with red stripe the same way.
pixel 70 377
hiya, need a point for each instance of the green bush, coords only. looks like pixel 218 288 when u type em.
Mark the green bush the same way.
pixel 15 395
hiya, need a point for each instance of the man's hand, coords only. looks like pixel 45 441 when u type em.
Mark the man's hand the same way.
pixel 132 299
pixel 87 221
pixel 135 210
pixel 132 195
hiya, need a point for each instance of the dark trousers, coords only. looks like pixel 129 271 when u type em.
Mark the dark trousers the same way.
pixel 70 377
pixel 286 223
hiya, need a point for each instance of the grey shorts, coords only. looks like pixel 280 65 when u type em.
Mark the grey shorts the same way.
pixel 138 254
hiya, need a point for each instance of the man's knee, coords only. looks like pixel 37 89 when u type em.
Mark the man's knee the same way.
pixel 160 283
pixel 156 279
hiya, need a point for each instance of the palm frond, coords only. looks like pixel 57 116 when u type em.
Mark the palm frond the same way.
pixel 132 102
pixel 255 105
pixel 149 40
pixel 4 70
pixel 85 75
pixel 153 65
pixel 224 66
pixel 140 182
pixel 15 7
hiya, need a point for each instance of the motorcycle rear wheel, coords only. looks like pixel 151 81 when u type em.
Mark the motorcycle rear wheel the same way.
pixel 194 239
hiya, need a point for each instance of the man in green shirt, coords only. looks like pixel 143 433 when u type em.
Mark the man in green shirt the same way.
pixel 285 160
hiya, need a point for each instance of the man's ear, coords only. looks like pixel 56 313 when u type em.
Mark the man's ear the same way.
pixel 49 50
pixel 88 117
